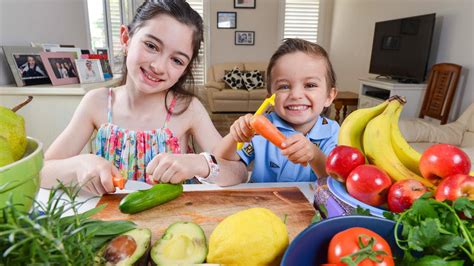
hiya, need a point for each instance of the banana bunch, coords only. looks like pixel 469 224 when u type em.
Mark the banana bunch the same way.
pixel 375 132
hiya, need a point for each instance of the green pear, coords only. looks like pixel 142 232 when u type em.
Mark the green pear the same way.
pixel 6 155
pixel 12 131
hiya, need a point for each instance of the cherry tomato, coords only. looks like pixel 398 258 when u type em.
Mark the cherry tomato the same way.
pixel 347 242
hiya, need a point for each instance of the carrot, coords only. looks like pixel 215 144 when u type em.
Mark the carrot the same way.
pixel 118 181
pixel 264 127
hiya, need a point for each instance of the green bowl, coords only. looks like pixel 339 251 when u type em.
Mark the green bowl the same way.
pixel 20 180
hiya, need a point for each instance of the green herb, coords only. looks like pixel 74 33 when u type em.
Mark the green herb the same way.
pixel 44 236
pixel 435 230
pixel 361 211
pixel 317 217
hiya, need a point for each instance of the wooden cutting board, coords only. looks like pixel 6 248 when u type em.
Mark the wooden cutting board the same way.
pixel 208 208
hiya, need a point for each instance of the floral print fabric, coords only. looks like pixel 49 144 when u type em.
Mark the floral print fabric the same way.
pixel 131 151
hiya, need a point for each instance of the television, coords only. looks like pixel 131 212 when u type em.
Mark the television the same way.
pixel 401 48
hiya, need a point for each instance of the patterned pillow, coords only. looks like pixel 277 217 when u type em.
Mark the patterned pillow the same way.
pixel 233 79
pixel 253 79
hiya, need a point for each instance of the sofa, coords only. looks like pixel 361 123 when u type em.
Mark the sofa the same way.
pixel 421 133
pixel 222 99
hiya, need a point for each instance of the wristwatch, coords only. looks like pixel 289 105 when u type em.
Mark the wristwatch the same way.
pixel 213 168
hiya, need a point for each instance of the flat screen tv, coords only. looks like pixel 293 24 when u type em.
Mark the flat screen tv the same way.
pixel 401 48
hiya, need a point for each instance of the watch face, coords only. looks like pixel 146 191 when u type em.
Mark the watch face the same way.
pixel 213 159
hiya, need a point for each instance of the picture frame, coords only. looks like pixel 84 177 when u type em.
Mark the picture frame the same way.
pixel 245 3
pixel 104 63
pixel 102 51
pixel 244 38
pixel 75 50
pixel 60 67
pixel 46 46
pixel 26 65
pixel 226 20
pixel 89 70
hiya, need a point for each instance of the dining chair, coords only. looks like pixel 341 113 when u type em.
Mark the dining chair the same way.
pixel 440 90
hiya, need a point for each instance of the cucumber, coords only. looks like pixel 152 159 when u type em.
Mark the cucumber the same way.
pixel 145 199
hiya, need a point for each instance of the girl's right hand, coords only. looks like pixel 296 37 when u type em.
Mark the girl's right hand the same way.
pixel 95 173
pixel 241 131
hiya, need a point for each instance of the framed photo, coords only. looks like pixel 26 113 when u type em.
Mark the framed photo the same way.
pixel 226 20
pixel 89 70
pixel 244 37
pixel 77 51
pixel 61 68
pixel 244 3
pixel 26 65
pixel 46 46
pixel 104 63
pixel 103 51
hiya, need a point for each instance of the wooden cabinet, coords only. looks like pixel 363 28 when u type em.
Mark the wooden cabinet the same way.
pixel 51 109
pixel 373 92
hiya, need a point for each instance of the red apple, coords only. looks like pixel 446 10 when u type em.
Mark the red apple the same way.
pixel 403 193
pixel 442 160
pixel 455 186
pixel 369 184
pixel 342 160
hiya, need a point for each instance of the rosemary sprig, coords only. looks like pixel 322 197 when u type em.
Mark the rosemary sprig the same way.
pixel 44 236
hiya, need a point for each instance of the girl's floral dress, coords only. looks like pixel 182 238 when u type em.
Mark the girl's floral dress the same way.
pixel 131 151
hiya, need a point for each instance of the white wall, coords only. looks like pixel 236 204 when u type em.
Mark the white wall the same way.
pixel 352 32
pixel 42 21
pixel 263 20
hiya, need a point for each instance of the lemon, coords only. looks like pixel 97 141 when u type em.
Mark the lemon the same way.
pixel 254 236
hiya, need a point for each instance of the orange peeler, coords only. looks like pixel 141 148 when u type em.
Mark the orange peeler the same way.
pixel 268 101
pixel 118 181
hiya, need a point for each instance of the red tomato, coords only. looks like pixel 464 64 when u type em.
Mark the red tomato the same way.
pixel 347 242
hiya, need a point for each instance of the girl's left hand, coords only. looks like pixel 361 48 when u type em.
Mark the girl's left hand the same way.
pixel 298 149
pixel 175 168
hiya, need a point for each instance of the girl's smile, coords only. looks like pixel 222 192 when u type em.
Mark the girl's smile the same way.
pixel 151 77
pixel 158 53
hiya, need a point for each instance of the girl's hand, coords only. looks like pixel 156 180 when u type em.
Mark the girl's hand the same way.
pixel 175 168
pixel 299 149
pixel 94 174
pixel 241 131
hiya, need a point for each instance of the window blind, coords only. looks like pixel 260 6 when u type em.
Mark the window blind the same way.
pixel 301 19
pixel 200 65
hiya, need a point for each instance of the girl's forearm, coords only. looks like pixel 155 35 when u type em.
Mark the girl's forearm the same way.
pixel 63 170
pixel 231 173
pixel 226 149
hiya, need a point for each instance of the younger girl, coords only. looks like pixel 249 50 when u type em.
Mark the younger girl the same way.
pixel 150 116
pixel 303 81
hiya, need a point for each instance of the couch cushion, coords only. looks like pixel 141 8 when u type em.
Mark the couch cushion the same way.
pixel 233 79
pixel 242 95
pixel 419 130
pixel 252 79
pixel 219 69
pixel 258 94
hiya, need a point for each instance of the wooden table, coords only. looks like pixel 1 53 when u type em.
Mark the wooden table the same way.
pixel 343 99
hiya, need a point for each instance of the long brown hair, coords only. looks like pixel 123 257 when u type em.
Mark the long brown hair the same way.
pixel 182 12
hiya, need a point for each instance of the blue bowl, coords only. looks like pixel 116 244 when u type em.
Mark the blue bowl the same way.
pixel 311 245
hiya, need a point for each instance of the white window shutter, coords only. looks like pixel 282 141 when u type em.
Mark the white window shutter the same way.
pixel 199 67
pixel 301 19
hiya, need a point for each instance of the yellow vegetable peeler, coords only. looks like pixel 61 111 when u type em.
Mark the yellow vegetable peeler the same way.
pixel 268 101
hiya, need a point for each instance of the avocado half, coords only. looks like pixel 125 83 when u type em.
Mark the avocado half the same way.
pixel 126 249
pixel 183 243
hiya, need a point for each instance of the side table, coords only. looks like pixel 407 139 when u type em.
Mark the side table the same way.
pixel 343 99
